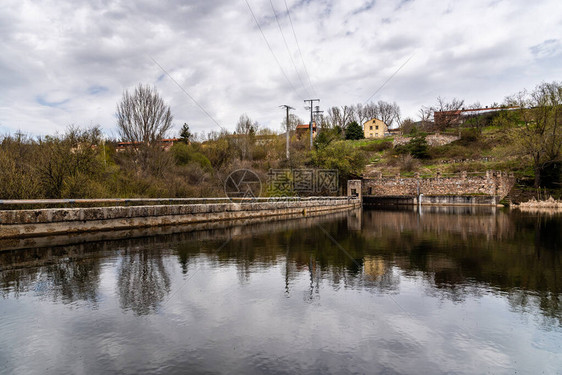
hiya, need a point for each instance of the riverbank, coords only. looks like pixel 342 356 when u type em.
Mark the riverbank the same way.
pixel 548 203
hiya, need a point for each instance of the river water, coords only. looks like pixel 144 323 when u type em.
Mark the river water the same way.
pixel 444 291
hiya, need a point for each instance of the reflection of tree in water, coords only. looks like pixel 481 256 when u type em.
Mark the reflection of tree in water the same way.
pixel 75 280
pixel 68 274
pixel 523 261
pixel 17 281
pixel 143 281
pixel 456 255
pixel 305 250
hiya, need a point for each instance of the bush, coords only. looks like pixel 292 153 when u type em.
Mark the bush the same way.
pixel 377 146
pixel 408 164
pixel 469 136
pixel 348 160
pixel 181 153
pixel 185 154
pixel 202 161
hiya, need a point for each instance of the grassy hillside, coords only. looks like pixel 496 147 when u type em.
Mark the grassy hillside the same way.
pixel 490 148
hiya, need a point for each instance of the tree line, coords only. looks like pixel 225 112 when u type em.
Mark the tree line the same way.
pixel 80 163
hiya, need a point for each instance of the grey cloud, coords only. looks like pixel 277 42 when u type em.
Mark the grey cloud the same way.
pixel 90 51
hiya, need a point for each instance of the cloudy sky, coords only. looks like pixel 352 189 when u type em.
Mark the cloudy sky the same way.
pixel 68 62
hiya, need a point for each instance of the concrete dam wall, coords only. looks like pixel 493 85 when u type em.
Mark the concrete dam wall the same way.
pixel 51 221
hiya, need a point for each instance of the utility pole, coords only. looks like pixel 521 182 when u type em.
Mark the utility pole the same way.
pixel 317 112
pixel 311 117
pixel 287 108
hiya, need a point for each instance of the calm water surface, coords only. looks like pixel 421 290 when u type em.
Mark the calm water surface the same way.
pixel 456 291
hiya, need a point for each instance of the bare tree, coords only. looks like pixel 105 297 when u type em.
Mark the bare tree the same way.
pixel 371 111
pixel 407 126
pixel 294 120
pixel 426 117
pixel 245 125
pixel 389 112
pixel 447 114
pixel 348 112
pixel 335 117
pixel 540 135
pixel 361 113
pixel 246 136
pixel 143 116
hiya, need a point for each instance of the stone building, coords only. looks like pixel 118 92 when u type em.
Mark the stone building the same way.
pixel 374 128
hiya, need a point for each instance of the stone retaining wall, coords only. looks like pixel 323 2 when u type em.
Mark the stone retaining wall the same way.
pixel 491 184
pixel 432 140
pixel 27 223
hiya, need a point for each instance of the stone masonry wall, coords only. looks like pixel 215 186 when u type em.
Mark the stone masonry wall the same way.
pixel 432 140
pixel 493 183
pixel 28 223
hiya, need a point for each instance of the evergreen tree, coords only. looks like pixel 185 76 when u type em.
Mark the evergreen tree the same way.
pixel 354 131
pixel 185 134
pixel 418 147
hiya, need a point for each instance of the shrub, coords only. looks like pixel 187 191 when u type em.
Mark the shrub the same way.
pixel 408 164
pixel 185 154
pixel 377 146
pixel 469 136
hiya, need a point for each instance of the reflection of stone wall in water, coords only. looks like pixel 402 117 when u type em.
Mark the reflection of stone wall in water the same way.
pixel 465 221
pixel 493 183
pixel 354 218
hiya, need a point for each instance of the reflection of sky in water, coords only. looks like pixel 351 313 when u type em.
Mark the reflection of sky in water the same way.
pixel 227 313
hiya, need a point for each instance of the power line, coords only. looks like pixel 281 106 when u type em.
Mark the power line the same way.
pixel 269 46
pixel 287 47
pixel 299 48
pixel 388 79
pixel 186 93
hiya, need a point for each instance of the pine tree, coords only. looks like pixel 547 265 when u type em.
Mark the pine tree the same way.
pixel 354 131
pixel 185 134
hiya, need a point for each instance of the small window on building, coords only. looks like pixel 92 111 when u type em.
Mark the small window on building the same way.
pixel 354 192
pixel 371 127
pixel 377 127
pixel 371 135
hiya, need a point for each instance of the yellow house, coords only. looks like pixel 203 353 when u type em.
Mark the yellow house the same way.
pixel 374 128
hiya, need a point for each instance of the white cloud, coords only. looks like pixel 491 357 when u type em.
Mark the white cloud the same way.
pixel 68 62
